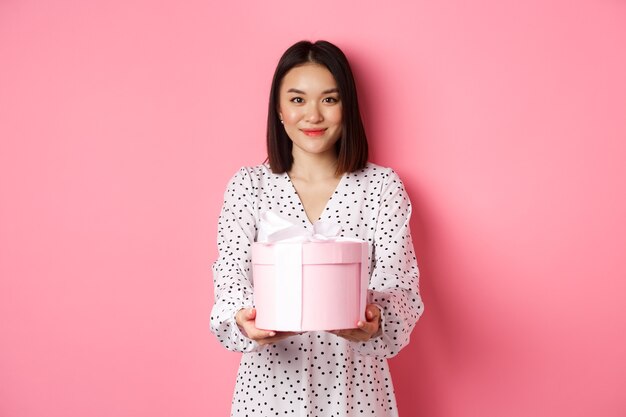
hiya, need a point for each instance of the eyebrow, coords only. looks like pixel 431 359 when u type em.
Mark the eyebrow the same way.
pixel 330 90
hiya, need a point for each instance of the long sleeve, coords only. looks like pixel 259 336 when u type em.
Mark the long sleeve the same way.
pixel 394 282
pixel 232 270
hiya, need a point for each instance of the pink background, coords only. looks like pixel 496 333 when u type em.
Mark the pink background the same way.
pixel 121 121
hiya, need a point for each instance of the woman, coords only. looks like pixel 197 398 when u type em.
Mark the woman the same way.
pixel 318 169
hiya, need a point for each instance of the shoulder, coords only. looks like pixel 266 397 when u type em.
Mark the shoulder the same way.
pixel 250 179
pixel 377 173
pixel 255 172
pixel 251 173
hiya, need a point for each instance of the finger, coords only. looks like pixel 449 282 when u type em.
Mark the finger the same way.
pixel 353 335
pixel 258 334
pixel 272 335
pixel 278 337
pixel 372 312
pixel 347 337
pixel 245 315
pixel 368 327
pixel 357 336
pixel 340 333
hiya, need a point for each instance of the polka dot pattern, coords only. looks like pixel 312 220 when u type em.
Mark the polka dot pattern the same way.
pixel 318 373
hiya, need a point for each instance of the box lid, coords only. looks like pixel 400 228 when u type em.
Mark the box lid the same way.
pixel 329 252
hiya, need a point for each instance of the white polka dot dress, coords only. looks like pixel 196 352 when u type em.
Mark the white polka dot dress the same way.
pixel 318 373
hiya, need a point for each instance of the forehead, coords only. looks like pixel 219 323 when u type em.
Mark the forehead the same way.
pixel 308 77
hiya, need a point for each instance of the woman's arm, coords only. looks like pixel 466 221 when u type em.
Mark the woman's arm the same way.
pixel 232 271
pixel 394 283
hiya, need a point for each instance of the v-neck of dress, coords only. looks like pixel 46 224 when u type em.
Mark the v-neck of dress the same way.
pixel 299 200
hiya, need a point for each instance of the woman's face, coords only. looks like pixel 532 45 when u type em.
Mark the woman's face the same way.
pixel 310 107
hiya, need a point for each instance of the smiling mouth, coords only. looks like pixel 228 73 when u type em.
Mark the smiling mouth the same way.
pixel 313 132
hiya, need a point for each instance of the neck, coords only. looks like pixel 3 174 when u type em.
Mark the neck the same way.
pixel 314 166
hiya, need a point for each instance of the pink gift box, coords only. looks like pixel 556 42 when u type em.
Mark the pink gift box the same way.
pixel 310 286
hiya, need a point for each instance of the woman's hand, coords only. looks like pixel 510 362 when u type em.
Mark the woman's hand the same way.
pixel 364 330
pixel 245 319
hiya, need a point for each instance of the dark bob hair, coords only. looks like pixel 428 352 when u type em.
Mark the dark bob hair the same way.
pixel 351 147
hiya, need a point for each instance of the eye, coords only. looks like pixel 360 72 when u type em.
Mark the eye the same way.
pixel 298 100
pixel 331 100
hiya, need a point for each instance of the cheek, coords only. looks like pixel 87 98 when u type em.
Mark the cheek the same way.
pixel 334 115
pixel 291 116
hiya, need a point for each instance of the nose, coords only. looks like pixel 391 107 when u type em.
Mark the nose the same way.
pixel 313 114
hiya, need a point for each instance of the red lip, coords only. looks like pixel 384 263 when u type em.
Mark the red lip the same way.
pixel 313 132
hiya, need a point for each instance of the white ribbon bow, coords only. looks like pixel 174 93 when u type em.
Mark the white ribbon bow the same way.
pixel 274 228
